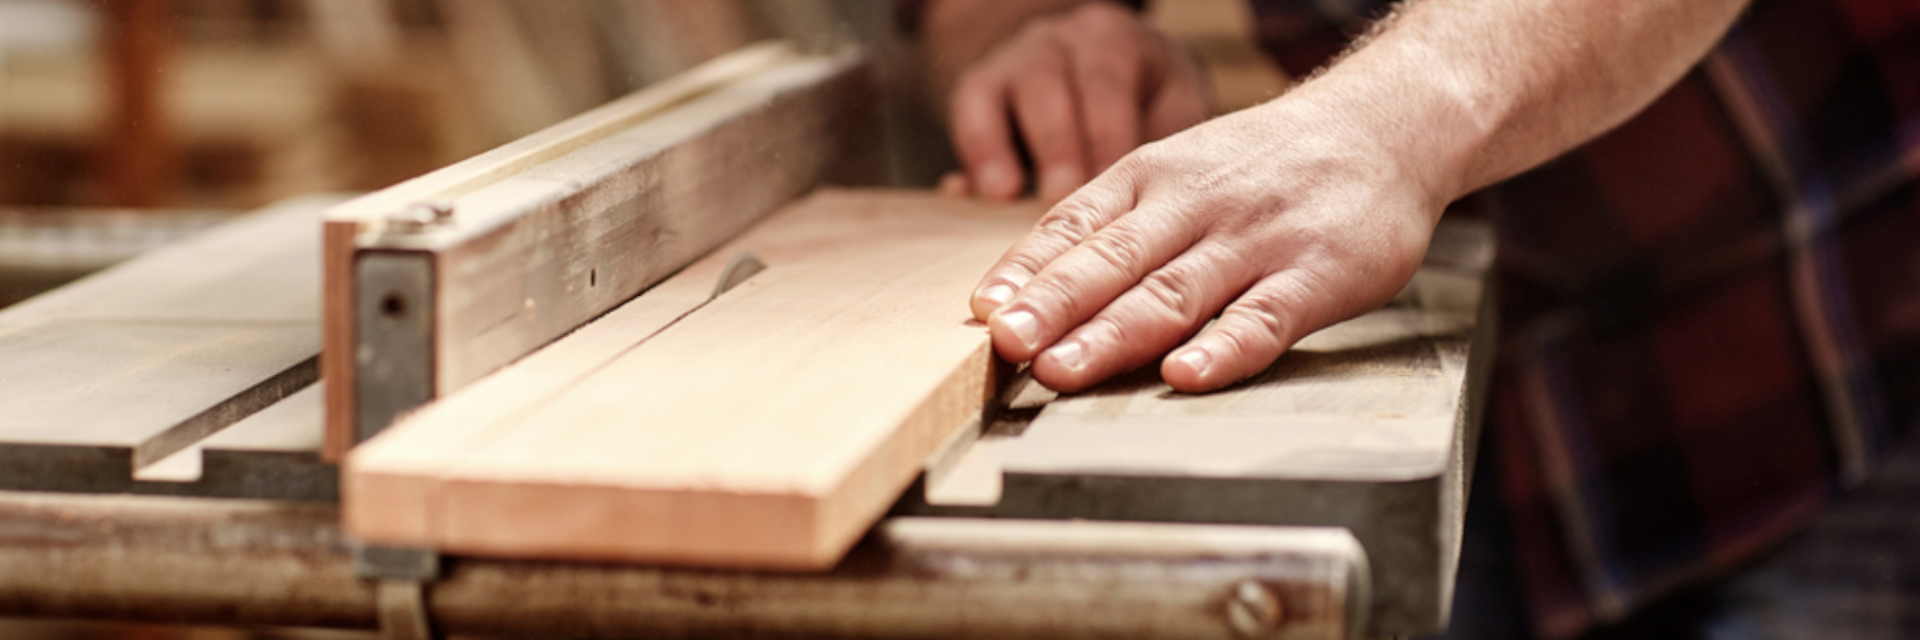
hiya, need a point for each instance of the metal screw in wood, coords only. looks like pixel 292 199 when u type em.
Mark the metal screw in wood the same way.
pixel 1253 610
pixel 421 216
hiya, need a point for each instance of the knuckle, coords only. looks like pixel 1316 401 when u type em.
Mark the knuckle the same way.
pixel 1174 292
pixel 1119 247
pixel 976 80
pixel 1048 24
pixel 1058 297
pixel 1269 314
pixel 1108 73
pixel 1047 60
pixel 1043 83
pixel 1030 263
pixel 1116 331
pixel 1151 157
pixel 1237 343
pixel 1101 14
pixel 1134 168
pixel 1071 221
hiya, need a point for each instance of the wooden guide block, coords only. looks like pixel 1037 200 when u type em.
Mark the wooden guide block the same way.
pixel 550 231
pixel 768 428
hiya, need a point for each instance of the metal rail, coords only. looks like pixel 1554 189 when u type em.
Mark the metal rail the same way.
pixel 256 562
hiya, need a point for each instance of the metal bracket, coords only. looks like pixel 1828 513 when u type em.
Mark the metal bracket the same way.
pixel 402 607
pixel 403 576
pixel 393 360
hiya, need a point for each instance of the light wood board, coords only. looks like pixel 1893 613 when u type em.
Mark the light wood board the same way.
pixel 141 361
pixel 556 229
pixel 767 428
pixel 1368 425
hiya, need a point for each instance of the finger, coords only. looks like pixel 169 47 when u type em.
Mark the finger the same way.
pixel 1079 283
pixel 1175 108
pixel 1165 308
pixel 1048 116
pixel 1250 334
pixel 982 136
pixel 1065 225
pixel 1177 94
pixel 1107 74
pixel 954 185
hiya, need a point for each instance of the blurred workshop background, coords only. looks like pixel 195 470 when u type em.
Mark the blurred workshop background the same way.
pixel 192 110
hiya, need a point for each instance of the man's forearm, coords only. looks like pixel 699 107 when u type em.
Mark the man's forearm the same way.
pixel 1472 92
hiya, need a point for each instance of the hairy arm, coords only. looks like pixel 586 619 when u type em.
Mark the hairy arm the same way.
pixel 1495 87
pixel 1317 206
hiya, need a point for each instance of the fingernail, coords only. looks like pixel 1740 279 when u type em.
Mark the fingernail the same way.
pixel 998 180
pixel 1068 353
pixel 1022 324
pixel 1061 180
pixel 998 294
pixel 1195 359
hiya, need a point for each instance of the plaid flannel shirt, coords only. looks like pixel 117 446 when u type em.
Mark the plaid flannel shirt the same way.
pixel 1711 315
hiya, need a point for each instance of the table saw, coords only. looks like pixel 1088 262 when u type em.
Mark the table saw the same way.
pixel 511 397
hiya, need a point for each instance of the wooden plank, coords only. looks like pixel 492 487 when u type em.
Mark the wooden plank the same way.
pixel 136 384
pixel 1367 425
pixel 1378 398
pixel 360 221
pixel 556 229
pixel 656 197
pixel 259 268
pixel 273 454
pixel 144 359
pixel 768 428
pixel 290 426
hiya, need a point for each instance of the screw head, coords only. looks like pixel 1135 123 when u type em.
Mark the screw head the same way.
pixel 1253 610
pixel 420 216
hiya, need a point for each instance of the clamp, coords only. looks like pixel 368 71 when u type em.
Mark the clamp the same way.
pixel 402 576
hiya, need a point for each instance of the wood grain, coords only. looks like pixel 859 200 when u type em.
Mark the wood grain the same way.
pixel 558 228
pixel 576 132
pixel 1368 425
pixel 767 428
pixel 337 338
pixel 170 347
pixel 585 232
pixel 1382 398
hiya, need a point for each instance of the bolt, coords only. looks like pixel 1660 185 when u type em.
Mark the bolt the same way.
pixel 420 216
pixel 441 209
pixel 1253 610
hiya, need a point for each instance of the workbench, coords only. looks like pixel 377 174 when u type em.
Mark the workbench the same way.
pixel 165 435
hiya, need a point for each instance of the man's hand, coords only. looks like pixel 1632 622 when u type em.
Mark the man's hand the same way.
pixel 1080 87
pixel 1315 207
pixel 1286 215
